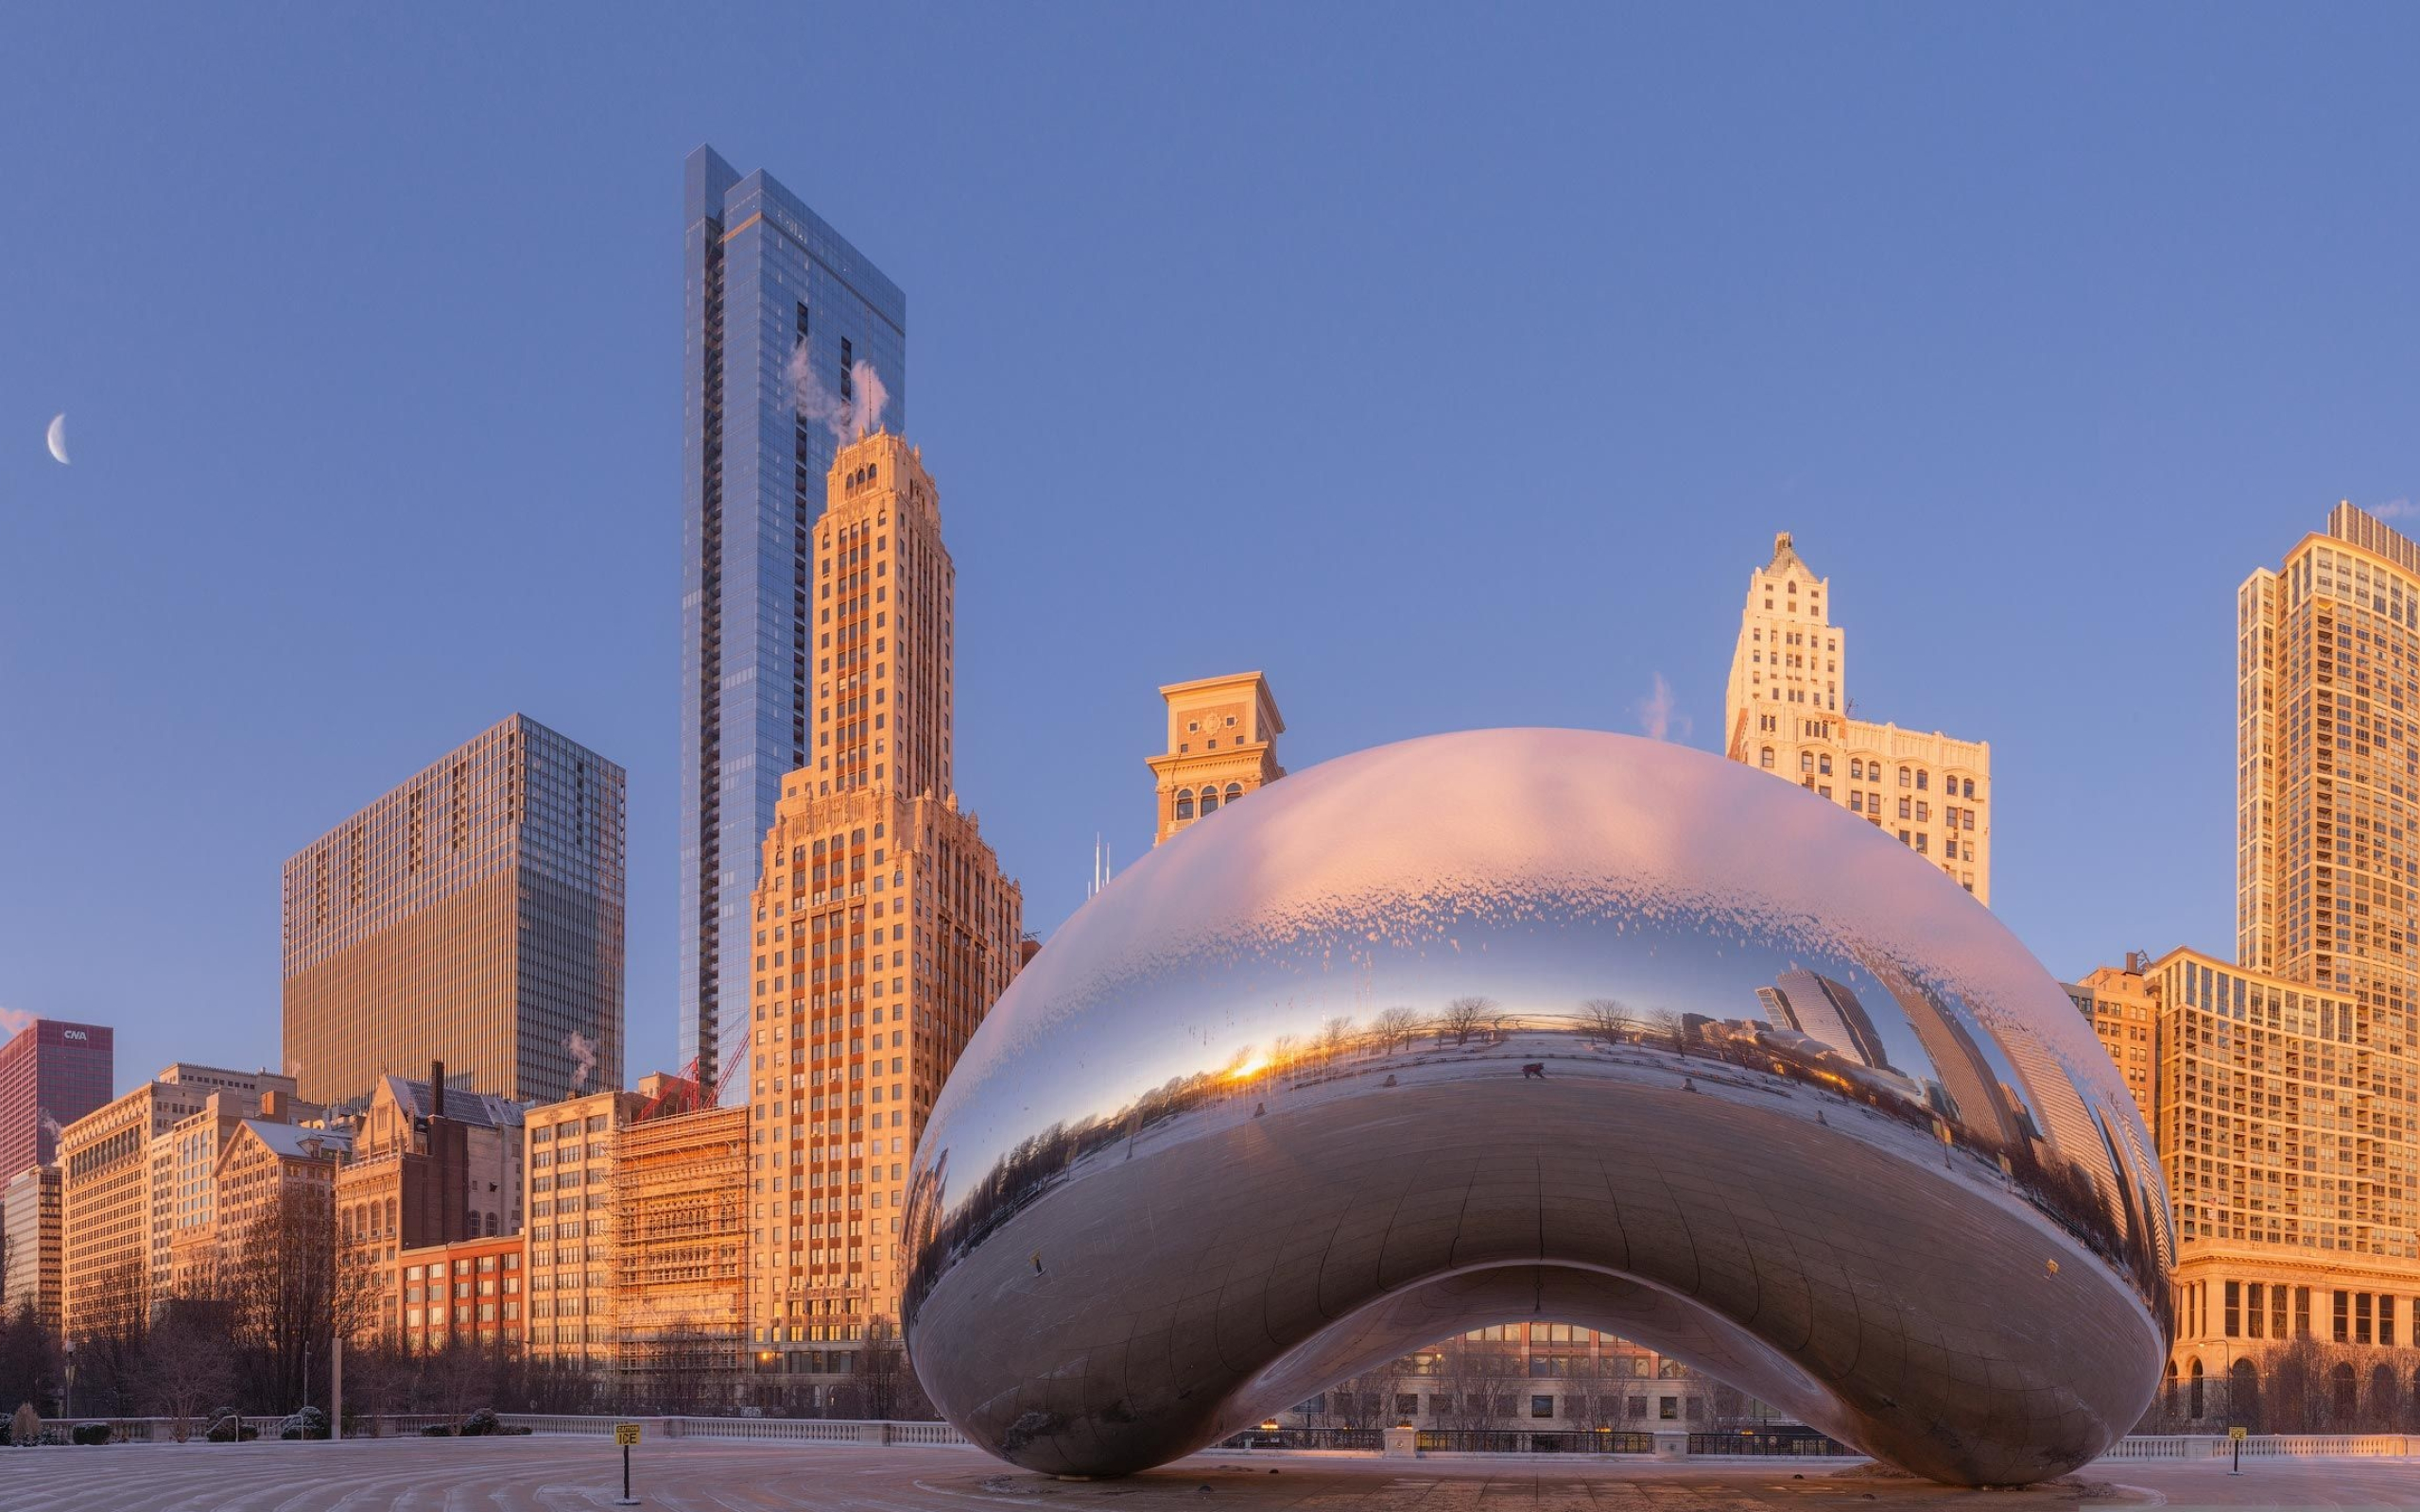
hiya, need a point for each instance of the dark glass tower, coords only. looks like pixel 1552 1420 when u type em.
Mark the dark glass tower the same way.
pixel 781 312
pixel 471 916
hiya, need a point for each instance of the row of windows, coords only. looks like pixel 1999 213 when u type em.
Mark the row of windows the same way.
pixel 1208 799
pixel 1866 771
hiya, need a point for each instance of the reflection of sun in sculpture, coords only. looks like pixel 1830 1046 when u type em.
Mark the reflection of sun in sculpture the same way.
pixel 1537 1025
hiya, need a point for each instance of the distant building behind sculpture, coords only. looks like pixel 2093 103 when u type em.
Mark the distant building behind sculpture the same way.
pixel 1786 710
pixel 1221 745
pixel 474 916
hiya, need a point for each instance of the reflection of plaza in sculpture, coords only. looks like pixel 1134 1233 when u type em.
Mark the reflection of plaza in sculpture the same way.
pixel 1537 1025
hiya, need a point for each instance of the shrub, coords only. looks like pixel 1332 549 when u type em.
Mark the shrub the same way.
pixel 91 1434
pixel 308 1423
pixel 26 1428
pixel 517 1429
pixel 438 1431
pixel 227 1428
pixel 480 1423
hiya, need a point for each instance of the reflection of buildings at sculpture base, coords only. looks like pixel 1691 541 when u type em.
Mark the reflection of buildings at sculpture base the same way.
pixel 1533 1377
pixel 1786 710
pixel 2281 1115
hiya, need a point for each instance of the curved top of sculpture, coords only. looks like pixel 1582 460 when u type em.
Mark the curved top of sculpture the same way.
pixel 1538 1023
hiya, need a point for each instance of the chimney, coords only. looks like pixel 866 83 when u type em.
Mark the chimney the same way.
pixel 437 1088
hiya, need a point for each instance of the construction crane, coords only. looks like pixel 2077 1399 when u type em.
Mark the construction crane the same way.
pixel 686 1078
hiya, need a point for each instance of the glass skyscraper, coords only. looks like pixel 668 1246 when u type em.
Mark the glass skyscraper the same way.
pixel 781 312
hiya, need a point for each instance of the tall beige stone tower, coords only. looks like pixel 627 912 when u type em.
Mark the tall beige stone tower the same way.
pixel 883 932
pixel 1786 710
pixel 1222 743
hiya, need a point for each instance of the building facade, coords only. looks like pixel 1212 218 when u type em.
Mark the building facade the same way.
pixel 474 916
pixel 430 1165
pixel 52 1073
pixel 465 1293
pixel 790 330
pixel 680 1251
pixel 2117 1003
pixel 1786 710
pixel 883 931
pixel 118 1192
pixel 571 1148
pixel 1222 743
pixel 29 1220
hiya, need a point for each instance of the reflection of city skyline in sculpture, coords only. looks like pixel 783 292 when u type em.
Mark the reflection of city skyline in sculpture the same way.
pixel 1823 1009
pixel 1308 1088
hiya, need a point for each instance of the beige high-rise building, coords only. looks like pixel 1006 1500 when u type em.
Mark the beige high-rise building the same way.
pixel 1222 743
pixel 1786 710
pixel 883 929
pixel 2117 1003
pixel 118 1192
pixel 571 1149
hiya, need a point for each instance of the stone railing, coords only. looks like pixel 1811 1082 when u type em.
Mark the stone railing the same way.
pixel 406 1425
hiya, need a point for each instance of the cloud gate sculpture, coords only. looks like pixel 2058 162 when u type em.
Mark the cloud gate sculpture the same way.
pixel 1538 1024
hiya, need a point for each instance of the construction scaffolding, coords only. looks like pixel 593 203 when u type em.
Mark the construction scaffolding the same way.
pixel 680 1263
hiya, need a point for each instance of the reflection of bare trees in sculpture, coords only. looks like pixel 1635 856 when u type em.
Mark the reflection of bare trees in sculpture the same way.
pixel 1465 1017
pixel 2050 1180
pixel 1609 1019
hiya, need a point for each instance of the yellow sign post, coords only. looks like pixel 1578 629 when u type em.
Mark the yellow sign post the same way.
pixel 2237 1433
pixel 625 1435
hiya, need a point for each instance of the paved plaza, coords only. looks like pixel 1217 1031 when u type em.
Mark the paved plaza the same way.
pixel 550 1475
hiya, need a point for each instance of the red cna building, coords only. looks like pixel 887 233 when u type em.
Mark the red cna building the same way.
pixel 51 1073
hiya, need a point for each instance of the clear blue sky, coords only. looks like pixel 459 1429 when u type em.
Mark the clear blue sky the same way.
pixel 1453 367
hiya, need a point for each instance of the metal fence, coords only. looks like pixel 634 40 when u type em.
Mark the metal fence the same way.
pixel 1768 1441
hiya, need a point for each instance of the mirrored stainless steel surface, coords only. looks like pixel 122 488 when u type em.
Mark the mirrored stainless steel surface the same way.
pixel 1538 1024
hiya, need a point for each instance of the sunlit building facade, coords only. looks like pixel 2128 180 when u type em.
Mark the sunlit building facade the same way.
pixel 474 916
pixel 118 1191
pixel 883 932
pixel 781 310
pixel 680 1248
pixel 2117 1001
pixel 572 1147
pixel 29 1220
pixel 1221 745
pixel 1786 710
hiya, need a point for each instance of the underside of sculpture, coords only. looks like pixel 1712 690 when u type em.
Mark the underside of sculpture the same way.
pixel 1538 1024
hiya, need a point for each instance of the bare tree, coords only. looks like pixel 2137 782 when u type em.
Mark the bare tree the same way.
pixel 1465 1017
pixel 1609 1019
pixel 1394 1028
pixel 1335 1035
pixel 1667 1026
pixel 187 1369
pixel 281 1292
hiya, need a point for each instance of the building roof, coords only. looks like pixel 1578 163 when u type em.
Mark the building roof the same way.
pixel 296 1143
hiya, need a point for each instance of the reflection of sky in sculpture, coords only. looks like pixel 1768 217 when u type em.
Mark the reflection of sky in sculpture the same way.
pixel 1540 869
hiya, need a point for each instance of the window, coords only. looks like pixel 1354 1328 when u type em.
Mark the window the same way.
pixel 1234 791
pixel 1823 765
pixel 2235 1309
pixel 1209 801
pixel 1668 1408
pixel 1541 1406
pixel 1184 804
pixel 1767 761
pixel 1905 777
pixel 1805 760
pixel 1406 1404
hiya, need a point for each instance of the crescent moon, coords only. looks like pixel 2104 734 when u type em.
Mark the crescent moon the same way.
pixel 58 439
